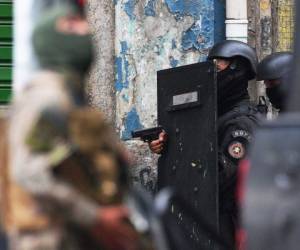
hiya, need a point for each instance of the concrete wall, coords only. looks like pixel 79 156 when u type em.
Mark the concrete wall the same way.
pixel 101 91
pixel 134 39
pixel 152 35
pixel 270 29
pixel 271 24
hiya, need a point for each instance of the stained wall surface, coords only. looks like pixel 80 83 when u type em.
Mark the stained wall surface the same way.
pixel 134 39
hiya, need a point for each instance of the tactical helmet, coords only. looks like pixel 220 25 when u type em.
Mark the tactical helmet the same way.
pixel 275 66
pixel 230 49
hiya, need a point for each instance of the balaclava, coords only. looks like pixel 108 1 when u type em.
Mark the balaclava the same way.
pixel 58 51
pixel 232 84
pixel 278 93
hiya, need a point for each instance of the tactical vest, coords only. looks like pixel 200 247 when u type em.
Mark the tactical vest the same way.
pixel 246 114
pixel 244 117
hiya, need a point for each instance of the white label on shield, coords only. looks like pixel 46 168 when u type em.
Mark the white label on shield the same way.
pixel 185 98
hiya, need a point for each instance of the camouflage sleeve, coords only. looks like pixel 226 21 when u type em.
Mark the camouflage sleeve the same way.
pixel 32 170
pixel 33 173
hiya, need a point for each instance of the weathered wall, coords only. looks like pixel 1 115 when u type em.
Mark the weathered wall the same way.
pixel 135 39
pixel 101 91
pixel 152 35
pixel 271 24
pixel 284 25
pixel 270 29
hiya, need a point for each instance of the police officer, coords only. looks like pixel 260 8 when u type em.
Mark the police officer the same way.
pixel 236 65
pixel 273 70
pixel 51 207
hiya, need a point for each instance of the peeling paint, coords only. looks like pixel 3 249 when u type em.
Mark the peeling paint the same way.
pixel 132 122
pixel 199 36
pixel 174 45
pixel 150 8
pixel 129 7
pixel 182 7
pixel 173 62
pixel 122 71
pixel 152 35
pixel 125 98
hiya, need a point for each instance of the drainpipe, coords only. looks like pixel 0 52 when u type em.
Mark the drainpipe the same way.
pixel 236 20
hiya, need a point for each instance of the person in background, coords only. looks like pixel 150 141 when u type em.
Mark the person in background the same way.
pixel 274 70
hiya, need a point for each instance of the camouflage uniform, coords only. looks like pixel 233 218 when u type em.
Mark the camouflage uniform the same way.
pixel 44 210
pixel 47 203
pixel 66 162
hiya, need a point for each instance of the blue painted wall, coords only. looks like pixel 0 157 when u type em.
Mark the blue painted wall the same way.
pixel 152 35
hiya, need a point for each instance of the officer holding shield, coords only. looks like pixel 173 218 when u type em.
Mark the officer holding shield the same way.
pixel 236 65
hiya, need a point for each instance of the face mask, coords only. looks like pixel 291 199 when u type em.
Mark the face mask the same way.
pixel 232 88
pixel 59 51
pixel 275 96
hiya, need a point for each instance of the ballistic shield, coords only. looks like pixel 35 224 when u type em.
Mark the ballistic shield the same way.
pixel 187 112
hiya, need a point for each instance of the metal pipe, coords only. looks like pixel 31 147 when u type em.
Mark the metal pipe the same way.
pixel 236 20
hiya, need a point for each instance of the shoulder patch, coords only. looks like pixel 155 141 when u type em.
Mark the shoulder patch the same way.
pixel 241 133
pixel 236 150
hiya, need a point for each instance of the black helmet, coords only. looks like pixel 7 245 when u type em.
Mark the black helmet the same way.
pixel 275 66
pixel 230 49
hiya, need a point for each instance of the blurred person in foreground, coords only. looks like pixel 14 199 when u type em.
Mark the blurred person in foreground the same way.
pixel 67 167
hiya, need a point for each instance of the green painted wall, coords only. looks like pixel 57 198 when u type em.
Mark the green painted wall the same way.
pixel 6 32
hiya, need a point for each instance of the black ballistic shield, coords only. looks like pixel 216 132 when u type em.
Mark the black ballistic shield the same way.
pixel 187 112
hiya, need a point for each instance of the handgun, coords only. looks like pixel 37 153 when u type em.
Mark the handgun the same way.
pixel 147 135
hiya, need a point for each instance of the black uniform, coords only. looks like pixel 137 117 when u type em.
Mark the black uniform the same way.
pixel 237 119
pixel 276 66
pixel 235 129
